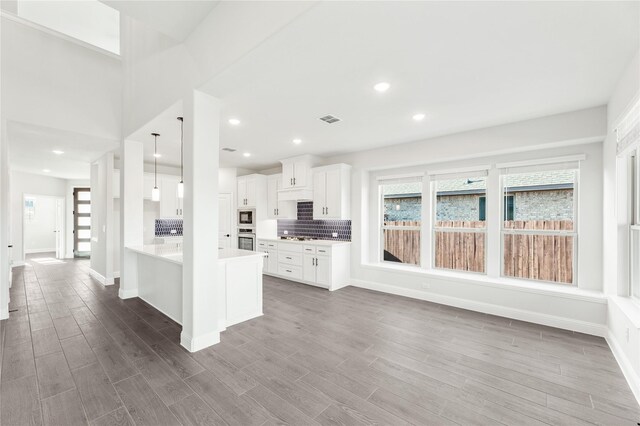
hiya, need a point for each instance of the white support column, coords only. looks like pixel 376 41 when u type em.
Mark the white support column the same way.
pixel 493 205
pixel 200 290
pixel 5 270
pixel 131 214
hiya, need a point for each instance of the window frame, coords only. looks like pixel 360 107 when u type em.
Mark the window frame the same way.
pixel 382 227
pixel 565 233
pixel 434 229
pixel 633 182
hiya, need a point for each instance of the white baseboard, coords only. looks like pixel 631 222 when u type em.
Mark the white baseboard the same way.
pixel 101 278
pixel 4 312
pixel 36 251
pixel 242 318
pixel 127 293
pixel 116 274
pixel 625 365
pixel 488 308
pixel 198 343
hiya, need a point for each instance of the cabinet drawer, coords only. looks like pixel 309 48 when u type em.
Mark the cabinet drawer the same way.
pixel 272 245
pixel 309 249
pixel 289 271
pixel 290 258
pixel 323 251
pixel 262 244
pixel 291 247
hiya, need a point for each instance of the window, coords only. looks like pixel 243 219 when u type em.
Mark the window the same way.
pixel 539 223
pixel 459 233
pixel 634 210
pixel 401 209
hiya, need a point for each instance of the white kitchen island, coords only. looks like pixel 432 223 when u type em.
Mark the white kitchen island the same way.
pixel 156 270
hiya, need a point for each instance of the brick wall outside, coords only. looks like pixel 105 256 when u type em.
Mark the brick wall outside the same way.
pixel 532 205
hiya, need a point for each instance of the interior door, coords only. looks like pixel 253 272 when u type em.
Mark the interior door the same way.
pixel 333 194
pixel 224 221
pixel 319 194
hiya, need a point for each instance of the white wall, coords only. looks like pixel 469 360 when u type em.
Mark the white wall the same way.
pixel 39 230
pixel 583 309
pixel 102 250
pixel 50 81
pixel 25 183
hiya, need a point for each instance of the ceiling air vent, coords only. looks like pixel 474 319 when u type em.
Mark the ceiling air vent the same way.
pixel 229 149
pixel 329 119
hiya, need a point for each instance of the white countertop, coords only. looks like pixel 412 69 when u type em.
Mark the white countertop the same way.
pixel 309 242
pixel 172 252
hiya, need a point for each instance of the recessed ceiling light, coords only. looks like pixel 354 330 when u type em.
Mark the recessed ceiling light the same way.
pixel 234 121
pixel 157 155
pixel 419 116
pixel 247 154
pixel 383 86
pixel 46 170
pixel 57 152
pixel 297 141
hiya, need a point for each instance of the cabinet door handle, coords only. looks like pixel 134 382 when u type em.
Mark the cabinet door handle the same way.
pixel 288 270
pixel 316 261
pixel 274 212
pixel 277 212
pixel 287 257
pixel 291 181
pixel 313 261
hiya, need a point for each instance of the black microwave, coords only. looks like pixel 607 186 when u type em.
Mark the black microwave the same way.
pixel 246 217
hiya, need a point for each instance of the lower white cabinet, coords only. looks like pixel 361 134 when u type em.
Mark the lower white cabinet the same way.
pixel 322 265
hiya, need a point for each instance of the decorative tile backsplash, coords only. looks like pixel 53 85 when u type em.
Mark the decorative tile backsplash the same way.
pixel 165 226
pixel 306 226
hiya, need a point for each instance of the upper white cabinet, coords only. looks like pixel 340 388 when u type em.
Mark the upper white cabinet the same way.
pixel 247 191
pixel 297 182
pixel 170 204
pixel 277 209
pixel 332 192
pixel 251 191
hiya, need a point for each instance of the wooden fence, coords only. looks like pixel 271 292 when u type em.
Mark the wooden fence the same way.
pixel 540 257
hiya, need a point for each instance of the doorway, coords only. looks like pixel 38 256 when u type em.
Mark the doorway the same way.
pixel 224 220
pixel 43 225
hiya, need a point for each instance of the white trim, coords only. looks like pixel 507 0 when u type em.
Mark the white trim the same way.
pixel 116 274
pixel 242 318
pixel 4 312
pixel 127 294
pixel 461 170
pixel 487 308
pixel 625 365
pixel 16 263
pixel 194 344
pixel 417 175
pixel 542 161
pixel 35 26
pixel 526 286
pixel 100 278
pixel 35 251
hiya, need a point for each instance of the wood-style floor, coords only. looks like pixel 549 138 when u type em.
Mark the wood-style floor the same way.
pixel 74 353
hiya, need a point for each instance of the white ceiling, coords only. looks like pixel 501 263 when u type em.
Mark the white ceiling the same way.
pixel 30 150
pixel 174 18
pixel 465 65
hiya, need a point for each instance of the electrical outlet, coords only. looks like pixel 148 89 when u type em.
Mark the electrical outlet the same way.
pixel 286 232
pixel 426 286
pixel 334 234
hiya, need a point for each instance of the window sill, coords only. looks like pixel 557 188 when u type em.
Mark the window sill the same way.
pixel 557 290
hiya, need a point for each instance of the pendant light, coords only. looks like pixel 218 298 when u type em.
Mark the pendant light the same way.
pixel 155 193
pixel 181 184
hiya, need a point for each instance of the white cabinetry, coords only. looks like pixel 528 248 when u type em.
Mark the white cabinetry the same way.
pixel 296 178
pixel 320 265
pixel 247 187
pixel 277 209
pixel 170 204
pixel 332 192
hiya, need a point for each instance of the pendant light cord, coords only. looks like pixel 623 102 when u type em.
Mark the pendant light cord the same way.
pixel 155 161
pixel 181 148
